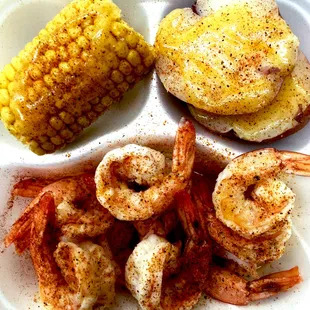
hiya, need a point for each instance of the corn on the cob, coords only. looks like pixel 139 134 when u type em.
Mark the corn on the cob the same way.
pixel 85 59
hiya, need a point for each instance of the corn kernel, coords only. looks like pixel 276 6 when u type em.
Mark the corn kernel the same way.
pixel 74 32
pixel 75 128
pixel 119 30
pixel 57 140
pixel 55 74
pixel 86 107
pixel 51 56
pixel 12 88
pixel 125 67
pixel 4 82
pixel 9 72
pixel 25 56
pixel 132 39
pixel 4 97
pixel 48 146
pixel 86 56
pixel 56 123
pixel 130 78
pixel 66 117
pixel 70 12
pixel 115 94
pixel 43 139
pixel 99 107
pixel 7 115
pixel 139 69
pixel 38 86
pixel 63 38
pixel 63 54
pixel 66 134
pixel 83 121
pixel 44 34
pixel 103 68
pixel 33 144
pixel 82 42
pixel 48 80
pixel 134 58
pixel 25 139
pixel 148 61
pixel 121 49
pixel 123 87
pixel 17 63
pixel 67 97
pixel 60 20
pixel 95 101
pixel 60 104
pixel 51 132
pixel 109 85
pixel 106 101
pixel 76 65
pixel 112 60
pixel 45 65
pixel 32 95
pixel 143 49
pixel 117 77
pixel 34 72
pixel 29 47
pixel 74 50
pixel 91 115
pixel 89 32
pixel 64 67
pixel 51 27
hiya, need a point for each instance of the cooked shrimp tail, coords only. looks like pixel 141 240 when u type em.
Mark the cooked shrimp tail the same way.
pixel 230 288
pixel 295 163
pixel 30 188
pixel 40 243
pixel 184 148
pixel 274 283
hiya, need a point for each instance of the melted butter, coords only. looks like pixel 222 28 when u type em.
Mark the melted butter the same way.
pixel 232 61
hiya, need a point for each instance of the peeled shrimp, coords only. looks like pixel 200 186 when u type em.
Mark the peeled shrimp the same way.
pixel 145 167
pixel 255 251
pixel 249 196
pixel 90 220
pixel 145 270
pixel 87 274
pixel 230 288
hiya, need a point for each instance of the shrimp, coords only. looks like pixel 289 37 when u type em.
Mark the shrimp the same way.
pixel 86 275
pixel 144 270
pixel 73 221
pixel 249 196
pixel 230 288
pixel 145 167
pixel 255 251
pixel 183 291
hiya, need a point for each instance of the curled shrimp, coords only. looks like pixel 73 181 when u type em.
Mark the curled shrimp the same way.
pixel 86 276
pixel 90 220
pixel 255 251
pixel 133 163
pixel 230 288
pixel 249 196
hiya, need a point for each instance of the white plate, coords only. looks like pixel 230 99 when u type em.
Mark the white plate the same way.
pixel 147 115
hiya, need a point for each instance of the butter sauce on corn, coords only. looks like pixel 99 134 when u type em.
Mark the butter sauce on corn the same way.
pixel 85 59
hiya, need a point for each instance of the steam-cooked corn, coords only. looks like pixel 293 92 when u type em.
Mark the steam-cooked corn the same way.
pixel 81 63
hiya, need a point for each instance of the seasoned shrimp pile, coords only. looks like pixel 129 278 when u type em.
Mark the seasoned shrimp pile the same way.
pixel 152 226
